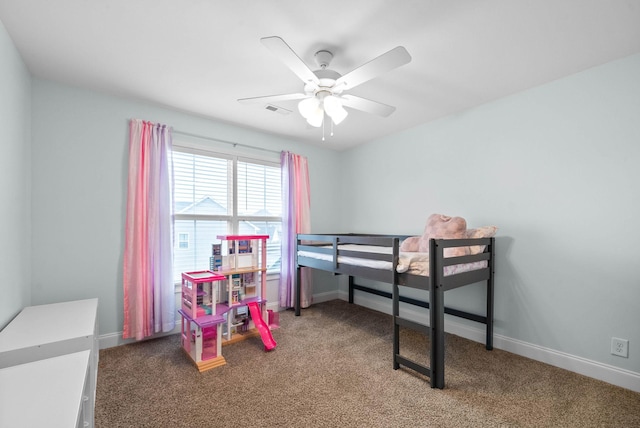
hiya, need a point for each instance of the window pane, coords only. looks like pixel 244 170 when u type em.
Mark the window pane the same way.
pixel 259 190
pixel 274 230
pixel 201 184
pixel 203 195
pixel 196 257
pixel 183 240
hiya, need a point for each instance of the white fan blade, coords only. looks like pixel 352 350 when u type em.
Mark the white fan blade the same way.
pixel 272 98
pixel 366 105
pixel 289 58
pixel 395 58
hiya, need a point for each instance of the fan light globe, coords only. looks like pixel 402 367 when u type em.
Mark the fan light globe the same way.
pixel 339 116
pixel 314 108
pixel 316 118
pixel 334 109
pixel 308 106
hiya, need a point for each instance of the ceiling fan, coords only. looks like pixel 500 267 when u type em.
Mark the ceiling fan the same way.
pixel 324 89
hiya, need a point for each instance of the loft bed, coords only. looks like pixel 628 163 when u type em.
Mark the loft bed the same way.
pixel 378 258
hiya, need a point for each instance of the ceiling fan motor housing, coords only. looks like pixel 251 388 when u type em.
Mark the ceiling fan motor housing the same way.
pixel 327 78
pixel 323 58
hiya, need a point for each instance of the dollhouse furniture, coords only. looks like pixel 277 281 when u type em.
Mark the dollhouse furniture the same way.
pixel 45 352
pixel 202 318
pixel 216 303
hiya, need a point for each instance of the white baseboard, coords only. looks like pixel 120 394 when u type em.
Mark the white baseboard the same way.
pixel 115 339
pixel 593 369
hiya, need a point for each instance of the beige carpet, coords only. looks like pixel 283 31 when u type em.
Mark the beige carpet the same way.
pixel 333 368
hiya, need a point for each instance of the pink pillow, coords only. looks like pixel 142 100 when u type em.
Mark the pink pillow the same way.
pixel 440 226
pixel 480 232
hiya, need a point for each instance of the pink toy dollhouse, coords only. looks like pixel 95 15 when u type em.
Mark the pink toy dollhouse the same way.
pixel 226 305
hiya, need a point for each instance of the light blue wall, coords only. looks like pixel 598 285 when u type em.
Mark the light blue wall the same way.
pixel 15 169
pixel 557 169
pixel 80 155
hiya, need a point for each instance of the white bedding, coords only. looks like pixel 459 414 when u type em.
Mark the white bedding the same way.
pixel 409 262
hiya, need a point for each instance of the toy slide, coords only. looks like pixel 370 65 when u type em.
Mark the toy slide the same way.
pixel 263 328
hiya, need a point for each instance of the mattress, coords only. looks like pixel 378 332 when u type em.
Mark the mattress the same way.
pixel 408 262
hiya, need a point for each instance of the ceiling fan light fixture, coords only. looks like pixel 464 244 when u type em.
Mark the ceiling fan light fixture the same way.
pixel 333 107
pixel 323 88
pixel 308 106
pixel 339 116
pixel 316 118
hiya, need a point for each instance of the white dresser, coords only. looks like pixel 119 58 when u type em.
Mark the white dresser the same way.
pixel 45 347
pixel 46 393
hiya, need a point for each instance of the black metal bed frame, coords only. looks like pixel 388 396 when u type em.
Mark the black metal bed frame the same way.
pixel 436 284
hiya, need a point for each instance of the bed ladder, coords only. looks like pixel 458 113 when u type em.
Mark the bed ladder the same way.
pixel 435 330
pixel 438 283
pixel 436 370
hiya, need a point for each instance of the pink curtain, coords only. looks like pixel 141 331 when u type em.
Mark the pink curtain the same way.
pixel 149 295
pixel 296 219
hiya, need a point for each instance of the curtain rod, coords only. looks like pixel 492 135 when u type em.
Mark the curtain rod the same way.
pixel 234 144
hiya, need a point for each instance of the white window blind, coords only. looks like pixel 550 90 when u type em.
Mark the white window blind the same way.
pixel 217 195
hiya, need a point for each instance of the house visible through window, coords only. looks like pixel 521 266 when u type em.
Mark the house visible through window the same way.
pixel 218 195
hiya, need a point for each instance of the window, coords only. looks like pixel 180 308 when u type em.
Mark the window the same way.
pixel 217 195
pixel 183 241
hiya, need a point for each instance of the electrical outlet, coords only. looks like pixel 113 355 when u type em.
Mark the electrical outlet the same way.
pixel 620 347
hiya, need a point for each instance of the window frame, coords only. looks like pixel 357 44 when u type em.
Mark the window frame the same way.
pixel 233 220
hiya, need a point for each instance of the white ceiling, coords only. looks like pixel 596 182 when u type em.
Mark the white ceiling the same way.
pixel 200 56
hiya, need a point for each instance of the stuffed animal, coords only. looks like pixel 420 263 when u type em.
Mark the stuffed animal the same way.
pixel 411 244
pixel 440 226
